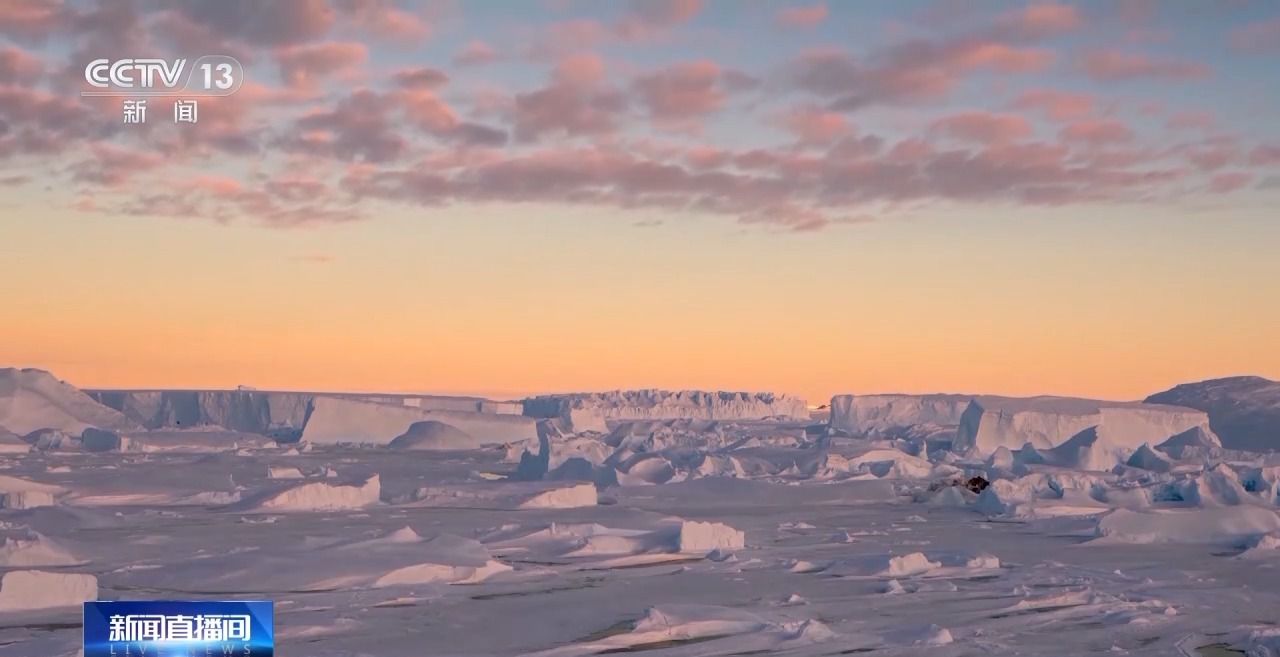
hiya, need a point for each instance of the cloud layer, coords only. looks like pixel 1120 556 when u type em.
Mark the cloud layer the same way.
pixel 625 106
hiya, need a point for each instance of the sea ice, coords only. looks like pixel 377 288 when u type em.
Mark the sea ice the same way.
pixel 32 590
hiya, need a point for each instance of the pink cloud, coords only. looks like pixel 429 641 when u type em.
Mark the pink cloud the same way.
pixel 1097 132
pixel 1039 20
pixel 984 127
pixel 706 157
pixel 575 102
pixel 368 126
pixel 802 16
pixel 384 19
pixel 814 125
pixel 305 66
pixel 647 19
pixel 569 36
pixel 913 71
pixel 427 110
pixel 1060 106
pixel 224 199
pixel 414 137
pixel 1259 37
pixel 1210 154
pixel 420 78
pixel 580 69
pixel 1112 65
pixel 787 188
pixel 32 19
pixel 912 151
pixel 40 122
pixel 644 20
pixel 1225 183
pixel 180 33
pixel 1001 57
pixel 280 22
pixel 17 65
pixel 475 53
pixel 665 12
pixel 360 127
pixel 684 91
pixel 112 165
pixel 216 185
pixel 1265 155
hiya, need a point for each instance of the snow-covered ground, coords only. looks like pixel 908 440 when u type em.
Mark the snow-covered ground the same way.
pixel 1132 531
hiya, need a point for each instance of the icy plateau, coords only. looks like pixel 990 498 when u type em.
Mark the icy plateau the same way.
pixel 689 523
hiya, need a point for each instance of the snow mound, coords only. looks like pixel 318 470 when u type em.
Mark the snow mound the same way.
pixel 512 495
pixel 433 435
pixel 951 496
pixel 1244 410
pixel 1217 486
pixel 32 590
pixel 883 566
pixel 888 464
pixel 318 496
pixel 1047 422
pixel 434 573
pixel 33 549
pixel 1041 495
pixel 568 497
pixel 18 493
pixel 667 540
pixel 591 411
pixel 1146 458
pixel 645 470
pixel 32 399
pixel 704 537
pixel 284 472
pixel 396 558
pixel 1194 441
pixel 1264 546
pixel 337 420
pixel 1234 526
pixel 723 630
pixel 924 635
pixel 11 443
pixel 556 455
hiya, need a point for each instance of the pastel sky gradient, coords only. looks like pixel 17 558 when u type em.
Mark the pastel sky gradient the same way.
pixel 514 197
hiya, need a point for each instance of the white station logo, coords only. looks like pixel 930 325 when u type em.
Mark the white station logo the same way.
pixel 209 75
pixel 131 73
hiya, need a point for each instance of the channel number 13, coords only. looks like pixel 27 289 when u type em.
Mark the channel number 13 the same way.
pixel 218 76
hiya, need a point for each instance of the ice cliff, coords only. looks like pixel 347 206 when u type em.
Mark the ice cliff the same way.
pixel 865 415
pixel 267 413
pixel 591 411
pixel 279 414
pixel 1045 423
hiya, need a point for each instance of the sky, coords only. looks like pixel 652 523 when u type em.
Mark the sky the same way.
pixel 506 198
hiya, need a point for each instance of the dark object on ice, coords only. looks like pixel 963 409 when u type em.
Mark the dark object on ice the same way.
pixel 100 440
pixel 977 484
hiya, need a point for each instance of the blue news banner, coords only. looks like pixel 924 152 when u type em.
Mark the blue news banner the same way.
pixel 172 628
